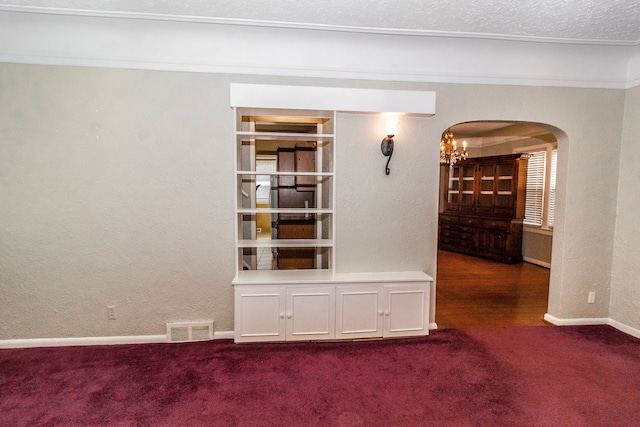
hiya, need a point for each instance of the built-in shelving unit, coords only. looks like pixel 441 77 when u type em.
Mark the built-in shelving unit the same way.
pixel 301 297
pixel 301 190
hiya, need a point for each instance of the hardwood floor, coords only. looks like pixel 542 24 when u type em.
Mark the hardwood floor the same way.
pixel 477 292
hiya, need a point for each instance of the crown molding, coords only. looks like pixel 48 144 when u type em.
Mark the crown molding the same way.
pixel 114 40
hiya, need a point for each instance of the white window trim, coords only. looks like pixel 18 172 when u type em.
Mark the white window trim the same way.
pixel 545 228
pixel 548 231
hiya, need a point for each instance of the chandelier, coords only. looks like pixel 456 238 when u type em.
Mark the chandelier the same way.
pixel 449 154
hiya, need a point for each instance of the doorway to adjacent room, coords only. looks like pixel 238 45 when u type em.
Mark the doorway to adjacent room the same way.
pixel 474 291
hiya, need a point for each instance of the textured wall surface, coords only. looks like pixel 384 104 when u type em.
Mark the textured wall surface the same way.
pixel 115 191
pixel 117 187
pixel 625 288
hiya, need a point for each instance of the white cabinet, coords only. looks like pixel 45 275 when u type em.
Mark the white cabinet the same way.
pixel 322 307
pixel 310 313
pixel 259 313
pixel 359 311
pixel 284 313
pixel 390 310
pixel 406 310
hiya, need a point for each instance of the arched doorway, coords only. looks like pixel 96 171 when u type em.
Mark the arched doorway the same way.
pixel 475 290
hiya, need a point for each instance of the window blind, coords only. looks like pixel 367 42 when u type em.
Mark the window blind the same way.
pixel 552 188
pixel 534 203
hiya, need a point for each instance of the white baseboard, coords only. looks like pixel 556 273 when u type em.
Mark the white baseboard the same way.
pixel 223 335
pixel 576 322
pixel 593 321
pixel 536 262
pixel 151 339
pixel 83 341
pixel 67 342
pixel 624 328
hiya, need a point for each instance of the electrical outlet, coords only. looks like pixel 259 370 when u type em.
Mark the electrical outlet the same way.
pixel 111 312
pixel 592 297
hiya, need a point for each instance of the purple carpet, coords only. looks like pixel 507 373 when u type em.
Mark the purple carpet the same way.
pixel 516 376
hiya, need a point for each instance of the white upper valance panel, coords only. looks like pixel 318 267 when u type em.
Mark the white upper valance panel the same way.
pixel 333 99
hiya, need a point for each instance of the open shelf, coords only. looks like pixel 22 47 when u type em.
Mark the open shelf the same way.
pixel 293 198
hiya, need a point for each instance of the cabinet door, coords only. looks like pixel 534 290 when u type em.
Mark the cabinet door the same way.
pixel 468 187
pixel 359 311
pixel 505 201
pixel 452 188
pixel 259 314
pixel 406 310
pixel 486 188
pixel 482 240
pixel 499 242
pixel 310 313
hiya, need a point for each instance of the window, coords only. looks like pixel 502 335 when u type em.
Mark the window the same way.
pixel 541 185
pixel 552 187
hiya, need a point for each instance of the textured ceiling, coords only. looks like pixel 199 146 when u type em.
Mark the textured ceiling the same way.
pixel 598 21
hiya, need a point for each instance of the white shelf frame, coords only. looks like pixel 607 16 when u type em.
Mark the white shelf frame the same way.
pixel 248 136
pixel 286 173
pixel 280 136
pixel 250 211
pixel 286 243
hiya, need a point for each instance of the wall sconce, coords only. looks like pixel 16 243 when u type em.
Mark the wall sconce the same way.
pixel 387 143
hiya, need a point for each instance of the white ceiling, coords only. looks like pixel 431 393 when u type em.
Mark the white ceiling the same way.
pixel 487 133
pixel 584 21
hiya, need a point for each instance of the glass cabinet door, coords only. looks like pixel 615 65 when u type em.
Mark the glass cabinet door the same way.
pixel 487 185
pixel 504 186
pixel 453 192
pixel 467 183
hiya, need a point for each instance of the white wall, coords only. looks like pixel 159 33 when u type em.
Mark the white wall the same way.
pixel 116 186
pixel 625 286
pixel 117 189
pixel 385 222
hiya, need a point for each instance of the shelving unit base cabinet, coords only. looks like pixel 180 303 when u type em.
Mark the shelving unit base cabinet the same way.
pixel 377 311
pixel 349 306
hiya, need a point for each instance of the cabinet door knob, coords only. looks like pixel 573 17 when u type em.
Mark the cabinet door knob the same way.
pixel 282 315
pixel 380 312
pixel 289 315
pixel 386 313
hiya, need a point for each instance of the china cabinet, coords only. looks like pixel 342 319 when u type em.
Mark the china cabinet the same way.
pixel 484 200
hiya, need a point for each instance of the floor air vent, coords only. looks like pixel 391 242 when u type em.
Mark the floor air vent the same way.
pixel 189 331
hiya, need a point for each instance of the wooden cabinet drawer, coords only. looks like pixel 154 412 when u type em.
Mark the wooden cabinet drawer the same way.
pixel 446 219
pixel 456 231
pixel 496 224
pixel 473 222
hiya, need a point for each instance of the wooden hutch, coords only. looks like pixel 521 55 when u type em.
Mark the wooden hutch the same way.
pixel 483 207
